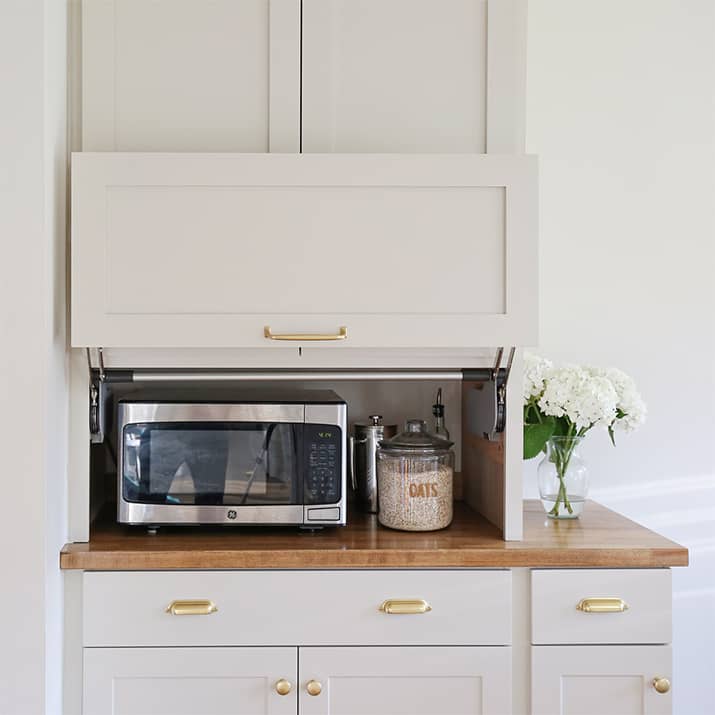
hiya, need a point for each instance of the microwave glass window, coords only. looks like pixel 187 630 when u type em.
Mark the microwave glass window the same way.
pixel 220 464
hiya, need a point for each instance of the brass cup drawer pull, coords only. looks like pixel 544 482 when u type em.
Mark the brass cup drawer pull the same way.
pixel 342 334
pixel 405 606
pixel 661 685
pixel 602 605
pixel 196 607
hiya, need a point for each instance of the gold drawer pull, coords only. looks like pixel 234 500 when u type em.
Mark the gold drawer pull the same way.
pixel 661 685
pixel 199 607
pixel 405 606
pixel 602 605
pixel 342 334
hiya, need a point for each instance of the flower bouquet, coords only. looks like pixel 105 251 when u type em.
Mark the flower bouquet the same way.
pixel 561 404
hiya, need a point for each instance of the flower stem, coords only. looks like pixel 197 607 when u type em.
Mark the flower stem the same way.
pixel 561 460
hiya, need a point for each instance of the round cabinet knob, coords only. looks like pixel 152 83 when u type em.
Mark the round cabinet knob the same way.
pixel 283 687
pixel 314 687
pixel 661 685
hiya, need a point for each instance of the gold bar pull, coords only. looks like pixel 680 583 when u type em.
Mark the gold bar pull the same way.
pixel 342 334
pixel 198 607
pixel 602 605
pixel 405 606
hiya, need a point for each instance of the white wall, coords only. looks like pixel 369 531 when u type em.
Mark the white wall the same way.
pixel 621 110
pixel 33 405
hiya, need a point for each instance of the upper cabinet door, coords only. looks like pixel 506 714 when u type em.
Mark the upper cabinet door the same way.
pixel 191 75
pixel 276 250
pixel 444 76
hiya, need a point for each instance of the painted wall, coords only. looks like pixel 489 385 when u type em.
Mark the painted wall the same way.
pixel 32 352
pixel 621 110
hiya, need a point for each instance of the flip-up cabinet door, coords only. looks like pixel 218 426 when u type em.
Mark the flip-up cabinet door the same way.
pixel 593 680
pixel 190 681
pixel 405 681
pixel 413 76
pixel 191 75
pixel 279 250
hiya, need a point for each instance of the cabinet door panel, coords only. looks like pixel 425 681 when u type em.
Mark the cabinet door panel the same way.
pixel 593 680
pixel 198 250
pixel 406 681
pixel 187 75
pixel 413 76
pixel 188 681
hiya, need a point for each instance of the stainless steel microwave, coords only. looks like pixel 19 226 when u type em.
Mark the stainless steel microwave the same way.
pixel 246 458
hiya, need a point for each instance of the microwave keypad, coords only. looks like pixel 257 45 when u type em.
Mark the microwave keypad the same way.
pixel 323 474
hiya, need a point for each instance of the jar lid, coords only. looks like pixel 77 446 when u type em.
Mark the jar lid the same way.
pixel 375 427
pixel 416 437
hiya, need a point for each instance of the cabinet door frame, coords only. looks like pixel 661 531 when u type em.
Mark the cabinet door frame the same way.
pixel 95 176
pixel 549 664
pixel 99 75
pixel 505 76
pixel 102 666
pixel 378 664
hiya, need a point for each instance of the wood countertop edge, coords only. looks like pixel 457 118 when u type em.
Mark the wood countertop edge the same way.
pixel 304 560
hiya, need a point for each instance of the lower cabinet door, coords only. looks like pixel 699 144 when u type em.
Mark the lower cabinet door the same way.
pixel 405 681
pixel 594 680
pixel 189 681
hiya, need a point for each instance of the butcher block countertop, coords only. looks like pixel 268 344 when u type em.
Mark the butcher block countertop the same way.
pixel 600 538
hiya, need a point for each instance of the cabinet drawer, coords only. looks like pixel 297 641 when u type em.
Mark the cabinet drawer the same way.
pixel 466 607
pixel 584 606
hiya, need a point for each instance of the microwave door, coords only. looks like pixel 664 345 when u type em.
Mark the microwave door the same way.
pixel 264 466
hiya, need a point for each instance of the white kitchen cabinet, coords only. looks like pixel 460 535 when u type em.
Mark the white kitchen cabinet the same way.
pixel 274 250
pixel 189 681
pixel 413 76
pixel 190 75
pixel 405 681
pixel 593 680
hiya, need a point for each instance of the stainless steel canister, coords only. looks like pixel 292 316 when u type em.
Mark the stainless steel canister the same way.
pixel 363 447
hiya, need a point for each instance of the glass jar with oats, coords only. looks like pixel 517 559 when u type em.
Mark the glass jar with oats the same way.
pixel 415 470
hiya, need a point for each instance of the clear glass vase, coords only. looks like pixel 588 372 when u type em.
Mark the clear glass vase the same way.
pixel 563 478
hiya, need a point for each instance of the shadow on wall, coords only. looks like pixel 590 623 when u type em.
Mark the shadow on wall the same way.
pixel 684 511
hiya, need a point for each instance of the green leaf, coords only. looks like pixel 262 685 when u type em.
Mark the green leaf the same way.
pixel 612 435
pixel 536 436
pixel 561 427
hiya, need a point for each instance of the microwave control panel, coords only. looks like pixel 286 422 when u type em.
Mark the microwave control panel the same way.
pixel 323 464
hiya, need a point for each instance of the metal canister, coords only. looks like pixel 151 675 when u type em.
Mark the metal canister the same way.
pixel 363 447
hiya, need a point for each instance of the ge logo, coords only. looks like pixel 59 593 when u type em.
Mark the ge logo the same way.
pixel 231 514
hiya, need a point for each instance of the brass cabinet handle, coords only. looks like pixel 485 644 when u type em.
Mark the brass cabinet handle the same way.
pixel 661 685
pixel 314 687
pixel 342 334
pixel 283 686
pixel 602 605
pixel 196 607
pixel 404 606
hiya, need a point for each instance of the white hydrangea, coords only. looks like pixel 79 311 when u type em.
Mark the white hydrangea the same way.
pixel 536 370
pixel 630 402
pixel 585 398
